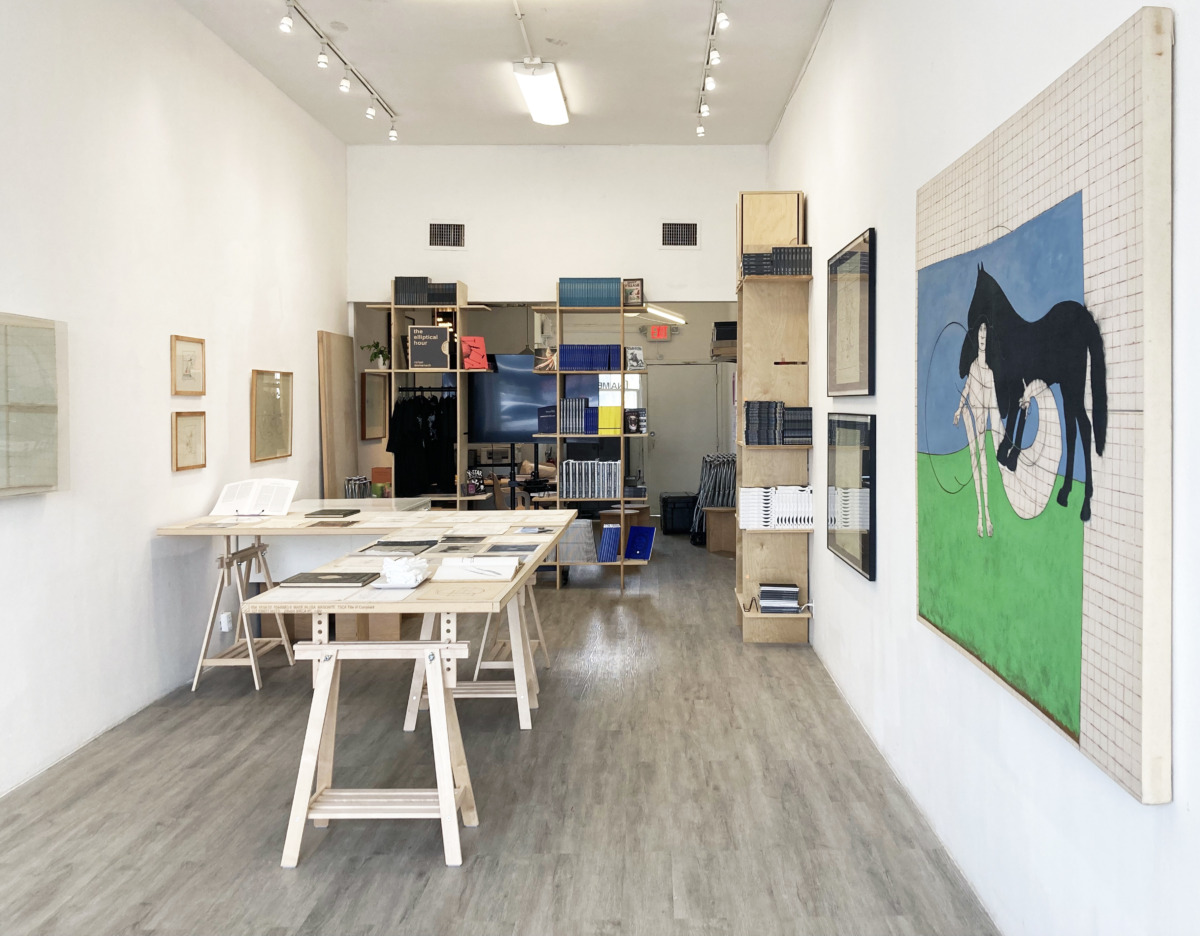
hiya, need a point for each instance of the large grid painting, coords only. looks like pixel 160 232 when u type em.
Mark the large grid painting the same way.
pixel 1044 404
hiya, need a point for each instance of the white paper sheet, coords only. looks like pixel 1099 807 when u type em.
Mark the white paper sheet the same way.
pixel 269 497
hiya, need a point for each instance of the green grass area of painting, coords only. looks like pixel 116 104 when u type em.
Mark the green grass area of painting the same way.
pixel 1014 600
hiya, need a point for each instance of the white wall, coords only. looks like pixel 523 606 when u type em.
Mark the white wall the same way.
pixel 536 213
pixel 894 94
pixel 151 183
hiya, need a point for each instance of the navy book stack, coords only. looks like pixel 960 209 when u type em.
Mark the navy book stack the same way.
pixel 584 292
pixel 586 357
pixel 610 543
pixel 791 261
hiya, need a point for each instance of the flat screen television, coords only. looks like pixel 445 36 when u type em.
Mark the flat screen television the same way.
pixel 502 406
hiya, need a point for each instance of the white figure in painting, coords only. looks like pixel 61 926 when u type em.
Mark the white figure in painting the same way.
pixel 979 399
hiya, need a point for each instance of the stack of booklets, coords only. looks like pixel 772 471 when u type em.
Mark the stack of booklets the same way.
pixel 589 292
pixel 610 543
pixel 797 425
pixel 443 293
pixel 417 290
pixel 764 422
pixel 548 419
pixel 850 509
pixel 609 420
pixel 578 418
pixel 788 507
pixel 754 508
pixel 589 479
pixel 589 357
pixel 779 599
pixel 635 421
pixel 791 261
pixel 756 264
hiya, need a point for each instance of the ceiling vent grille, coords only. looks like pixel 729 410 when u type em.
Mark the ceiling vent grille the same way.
pixel 442 234
pixel 680 234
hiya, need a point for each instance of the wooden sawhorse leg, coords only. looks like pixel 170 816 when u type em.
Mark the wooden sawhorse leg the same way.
pixel 453 791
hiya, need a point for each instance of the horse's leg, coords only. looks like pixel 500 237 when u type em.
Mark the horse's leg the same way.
pixel 1015 451
pixel 1085 436
pixel 1070 416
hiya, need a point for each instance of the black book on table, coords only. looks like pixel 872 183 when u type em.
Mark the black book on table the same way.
pixel 329 580
pixel 334 512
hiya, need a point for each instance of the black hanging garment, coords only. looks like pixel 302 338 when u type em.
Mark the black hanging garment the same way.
pixel 421 436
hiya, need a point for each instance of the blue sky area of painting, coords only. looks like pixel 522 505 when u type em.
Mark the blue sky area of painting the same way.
pixel 1037 265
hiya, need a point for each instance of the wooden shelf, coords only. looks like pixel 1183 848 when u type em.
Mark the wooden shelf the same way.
pixel 600 435
pixel 779 530
pixel 803 447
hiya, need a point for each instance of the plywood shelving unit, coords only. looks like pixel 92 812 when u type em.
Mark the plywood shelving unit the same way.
pixel 772 364
pixel 562 316
pixel 405 377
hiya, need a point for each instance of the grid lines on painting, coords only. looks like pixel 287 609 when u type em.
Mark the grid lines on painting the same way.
pixel 1082 134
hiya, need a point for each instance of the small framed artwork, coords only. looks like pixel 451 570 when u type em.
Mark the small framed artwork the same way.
pixel 187 366
pixel 270 415
pixel 632 293
pixel 635 358
pixel 851 533
pixel 850 302
pixel 372 409
pixel 188 441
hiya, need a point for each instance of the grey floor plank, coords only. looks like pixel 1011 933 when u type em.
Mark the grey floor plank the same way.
pixel 676 781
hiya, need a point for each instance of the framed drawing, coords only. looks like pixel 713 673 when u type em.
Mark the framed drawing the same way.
pixel 33 400
pixel 373 408
pixel 187 366
pixel 188 441
pixel 1044 322
pixel 851 534
pixel 270 415
pixel 632 293
pixel 850 302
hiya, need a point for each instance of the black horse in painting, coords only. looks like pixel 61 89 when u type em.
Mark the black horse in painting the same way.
pixel 1054 349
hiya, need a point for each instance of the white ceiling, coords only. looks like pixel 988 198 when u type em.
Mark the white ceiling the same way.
pixel 631 69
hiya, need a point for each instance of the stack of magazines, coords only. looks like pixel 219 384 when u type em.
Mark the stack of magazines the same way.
pixel 797 425
pixel 610 543
pixel 779 599
pixel 787 507
pixel 764 422
pixel 589 479
pixel 589 292
pixel 589 357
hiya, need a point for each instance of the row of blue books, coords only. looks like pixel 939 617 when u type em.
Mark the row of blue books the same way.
pixel 589 292
pixel 588 357
pixel 638 545
pixel 578 417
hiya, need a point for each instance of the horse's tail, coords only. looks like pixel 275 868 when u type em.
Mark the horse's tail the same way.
pixel 1099 385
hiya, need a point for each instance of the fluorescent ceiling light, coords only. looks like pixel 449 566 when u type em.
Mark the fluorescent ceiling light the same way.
pixel 539 84
pixel 664 314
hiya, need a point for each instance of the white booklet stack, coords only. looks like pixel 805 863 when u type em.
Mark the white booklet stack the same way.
pixel 477 569
pixel 262 497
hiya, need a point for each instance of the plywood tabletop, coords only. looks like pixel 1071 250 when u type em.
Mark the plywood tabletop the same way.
pixel 375 516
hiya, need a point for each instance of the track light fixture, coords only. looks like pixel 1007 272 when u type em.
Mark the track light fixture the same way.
pixel 699 129
pixel 722 19
pixel 717 20
pixel 329 50
pixel 710 83
pixel 714 57
pixel 703 109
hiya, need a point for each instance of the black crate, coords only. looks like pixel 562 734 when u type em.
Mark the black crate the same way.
pixel 677 510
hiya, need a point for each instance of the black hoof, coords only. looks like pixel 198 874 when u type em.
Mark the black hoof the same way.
pixel 1011 462
pixel 1063 494
pixel 1086 514
pixel 1002 452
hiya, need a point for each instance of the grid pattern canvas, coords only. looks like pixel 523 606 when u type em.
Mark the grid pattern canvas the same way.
pixel 1065 207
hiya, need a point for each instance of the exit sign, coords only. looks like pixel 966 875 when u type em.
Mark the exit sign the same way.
pixel 660 332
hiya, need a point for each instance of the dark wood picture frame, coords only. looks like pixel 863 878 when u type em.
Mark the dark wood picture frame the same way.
pixel 633 292
pixel 373 393
pixel 850 302
pixel 852 461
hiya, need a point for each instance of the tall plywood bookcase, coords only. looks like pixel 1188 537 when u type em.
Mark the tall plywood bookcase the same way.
pixel 403 378
pixel 772 364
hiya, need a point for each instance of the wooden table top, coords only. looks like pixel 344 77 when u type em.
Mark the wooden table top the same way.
pixel 495 527
pixel 375 516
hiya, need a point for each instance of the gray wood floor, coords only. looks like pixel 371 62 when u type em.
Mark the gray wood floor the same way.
pixel 674 782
